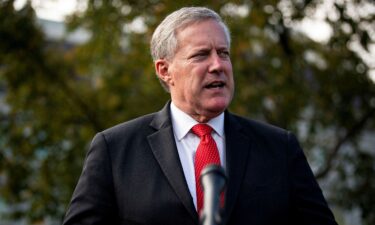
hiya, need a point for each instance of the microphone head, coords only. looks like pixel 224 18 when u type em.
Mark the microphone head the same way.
pixel 213 181
pixel 213 169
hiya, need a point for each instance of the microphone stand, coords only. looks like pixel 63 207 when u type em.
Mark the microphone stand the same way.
pixel 213 181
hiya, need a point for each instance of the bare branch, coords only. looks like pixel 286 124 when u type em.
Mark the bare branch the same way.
pixel 351 132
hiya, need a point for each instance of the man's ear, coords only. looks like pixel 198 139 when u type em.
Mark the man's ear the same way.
pixel 162 70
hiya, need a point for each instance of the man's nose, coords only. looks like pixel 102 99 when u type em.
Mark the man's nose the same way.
pixel 216 63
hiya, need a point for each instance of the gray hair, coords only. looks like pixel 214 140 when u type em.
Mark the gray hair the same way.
pixel 164 42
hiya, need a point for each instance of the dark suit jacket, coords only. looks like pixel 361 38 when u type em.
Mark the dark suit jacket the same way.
pixel 132 175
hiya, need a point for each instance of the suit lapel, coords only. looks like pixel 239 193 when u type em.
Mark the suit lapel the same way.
pixel 165 151
pixel 237 150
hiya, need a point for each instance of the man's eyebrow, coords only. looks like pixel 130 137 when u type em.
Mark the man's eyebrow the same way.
pixel 203 48
pixel 199 50
pixel 223 48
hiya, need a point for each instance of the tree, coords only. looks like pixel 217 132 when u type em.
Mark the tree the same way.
pixel 58 97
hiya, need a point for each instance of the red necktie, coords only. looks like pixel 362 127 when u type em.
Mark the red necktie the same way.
pixel 206 154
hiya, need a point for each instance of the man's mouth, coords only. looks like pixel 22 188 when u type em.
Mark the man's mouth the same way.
pixel 216 84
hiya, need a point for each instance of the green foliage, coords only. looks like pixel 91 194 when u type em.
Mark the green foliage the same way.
pixel 57 97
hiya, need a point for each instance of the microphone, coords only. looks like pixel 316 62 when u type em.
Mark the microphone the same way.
pixel 213 180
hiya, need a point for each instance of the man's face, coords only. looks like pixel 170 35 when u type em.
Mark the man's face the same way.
pixel 200 76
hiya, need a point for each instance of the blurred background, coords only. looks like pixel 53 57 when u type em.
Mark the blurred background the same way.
pixel 69 69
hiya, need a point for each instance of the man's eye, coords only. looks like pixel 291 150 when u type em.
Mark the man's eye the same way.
pixel 200 54
pixel 223 54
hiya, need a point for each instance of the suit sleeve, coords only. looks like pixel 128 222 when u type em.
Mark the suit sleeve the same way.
pixel 93 200
pixel 308 204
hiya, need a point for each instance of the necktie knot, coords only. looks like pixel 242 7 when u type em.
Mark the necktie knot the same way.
pixel 201 129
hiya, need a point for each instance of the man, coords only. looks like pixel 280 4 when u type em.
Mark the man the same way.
pixel 144 171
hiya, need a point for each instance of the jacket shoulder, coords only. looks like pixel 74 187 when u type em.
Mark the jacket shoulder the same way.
pixel 259 126
pixel 129 128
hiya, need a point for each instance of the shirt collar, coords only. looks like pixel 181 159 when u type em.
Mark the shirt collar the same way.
pixel 182 122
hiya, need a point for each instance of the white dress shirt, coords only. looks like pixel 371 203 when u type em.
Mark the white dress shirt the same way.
pixel 187 143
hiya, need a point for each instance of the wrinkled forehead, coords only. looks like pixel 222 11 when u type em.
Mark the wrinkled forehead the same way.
pixel 188 24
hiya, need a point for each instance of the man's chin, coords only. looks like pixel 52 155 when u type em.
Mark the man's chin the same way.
pixel 217 107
